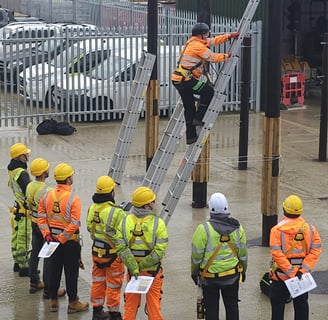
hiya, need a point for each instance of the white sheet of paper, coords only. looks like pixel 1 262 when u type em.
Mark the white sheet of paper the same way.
pixel 48 249
pixel 140 285
pixel 297 286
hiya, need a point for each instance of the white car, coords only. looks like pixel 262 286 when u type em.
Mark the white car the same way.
pixel 38 81
pixel 107 85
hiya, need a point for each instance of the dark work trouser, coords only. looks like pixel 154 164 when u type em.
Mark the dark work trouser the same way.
pixel 279 295
pixel 211 293
pixel 187 89
pixel 37 243
pixel 66 256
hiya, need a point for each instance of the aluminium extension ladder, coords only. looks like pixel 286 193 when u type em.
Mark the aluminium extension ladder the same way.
pixel 158 171
pixel 131 116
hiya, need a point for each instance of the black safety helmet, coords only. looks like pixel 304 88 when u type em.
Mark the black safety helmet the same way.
pixel 200 28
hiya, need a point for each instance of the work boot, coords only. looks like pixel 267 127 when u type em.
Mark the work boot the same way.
pixel 191 140
pixel 99 313
pixel 16 267
pixel 77 306
pixel 23 272
pixel 115 316
pixel 197 123
pixel 60 293
pixel 34 287
pixel 54 305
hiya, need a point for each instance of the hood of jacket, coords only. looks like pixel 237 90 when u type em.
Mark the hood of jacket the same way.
pixel 14 164
pixel 290 225
pixel 223 224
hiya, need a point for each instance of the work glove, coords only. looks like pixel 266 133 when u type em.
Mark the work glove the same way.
pixel 136 275
pixel 49 238
pixel 195 278
pixel 243 276
pixel 299 274
pixel 234 35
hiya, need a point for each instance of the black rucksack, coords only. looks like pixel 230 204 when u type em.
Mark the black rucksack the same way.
pixel 51 126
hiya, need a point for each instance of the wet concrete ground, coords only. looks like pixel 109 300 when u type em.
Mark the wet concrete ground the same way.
pixel 90 150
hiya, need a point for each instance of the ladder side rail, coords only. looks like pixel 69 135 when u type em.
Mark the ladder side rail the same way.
pixel 192 153
pixel 166 149
pixel 131 116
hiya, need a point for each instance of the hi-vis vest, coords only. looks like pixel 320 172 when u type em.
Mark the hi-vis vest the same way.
pixel 99 220
pixel 57 220
pixel 34 191
pixel 18 193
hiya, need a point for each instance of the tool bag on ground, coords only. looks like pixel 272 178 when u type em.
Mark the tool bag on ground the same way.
pixel 51 126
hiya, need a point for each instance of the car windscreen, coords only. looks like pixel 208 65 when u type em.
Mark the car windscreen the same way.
pixel 110 67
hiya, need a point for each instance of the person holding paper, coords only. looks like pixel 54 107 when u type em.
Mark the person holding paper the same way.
pixel 59 215
pixel 103 219
pixel 219 259
pixel 35 190
pixel 141 243
pixel 295 247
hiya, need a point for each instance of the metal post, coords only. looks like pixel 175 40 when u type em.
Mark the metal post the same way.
pixel 271 125
pixel 152 109
pixel 324 101
pixel 244 104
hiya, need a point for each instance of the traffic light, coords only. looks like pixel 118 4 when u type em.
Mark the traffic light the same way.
pixel 294 16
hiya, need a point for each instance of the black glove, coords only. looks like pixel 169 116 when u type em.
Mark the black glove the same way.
pixel 243 276
pixel 299 274
pixel 195 278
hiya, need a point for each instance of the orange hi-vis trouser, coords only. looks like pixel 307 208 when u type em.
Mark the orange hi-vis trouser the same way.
pixel 132 301
pixel 107 283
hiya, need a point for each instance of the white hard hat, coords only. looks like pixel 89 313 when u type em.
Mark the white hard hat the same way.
pixel 218 203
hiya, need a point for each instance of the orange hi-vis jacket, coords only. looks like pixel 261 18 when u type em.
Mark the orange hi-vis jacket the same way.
pixel 294 244
pixel 59 214
pixel 195 52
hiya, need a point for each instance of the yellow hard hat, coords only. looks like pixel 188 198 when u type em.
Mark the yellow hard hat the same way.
pixel 18 149
pixel 63 171
pixel 142 196
pixel 293 205
pixel 39 166
pixel 105 184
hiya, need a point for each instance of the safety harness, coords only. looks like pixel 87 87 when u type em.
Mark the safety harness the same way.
pixel 56 212
pixel 103 249
pixel 186 73
pixel 37 189
pixel 296 262
pixel 237 269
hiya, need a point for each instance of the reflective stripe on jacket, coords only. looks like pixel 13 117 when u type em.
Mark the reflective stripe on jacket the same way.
pixel 288 254
pixel 34 192
pixel 64 220
pixel 196 52
pixel 204 242
pixel 103 221
pixel 148 254
pixel 13 184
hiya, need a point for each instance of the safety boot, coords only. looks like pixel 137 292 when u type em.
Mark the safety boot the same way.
pixel 54 305
pixel 99 313
pixel 115 316
pixel 16 267
pixel 34 287
pixel 77 306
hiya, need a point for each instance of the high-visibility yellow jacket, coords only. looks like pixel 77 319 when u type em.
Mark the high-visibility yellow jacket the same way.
pixel 34 192
pixel 59 213
pixel 289 252
pixel 205 241
pixel 103 221
pixel 195 52
pixel 142 242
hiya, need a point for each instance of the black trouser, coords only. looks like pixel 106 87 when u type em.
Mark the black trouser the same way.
pixel 37 243
pixel 187 89
pixel 66 256
pixel 279 295
pixel 211 294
